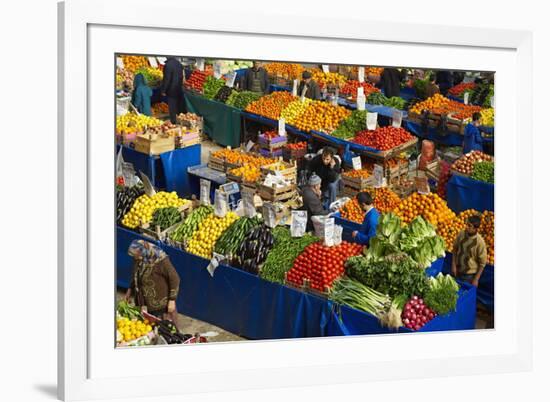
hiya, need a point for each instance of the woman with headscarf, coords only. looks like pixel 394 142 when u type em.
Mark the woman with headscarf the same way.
pixel 141 96
pixel 155 282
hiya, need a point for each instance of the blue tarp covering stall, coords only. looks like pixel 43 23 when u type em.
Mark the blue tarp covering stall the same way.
pixel 256 309
pixel 449 138
pixel 274 123
pixel 149 165
pixel 465 193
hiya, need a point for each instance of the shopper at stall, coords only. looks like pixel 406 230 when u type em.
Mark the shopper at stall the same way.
pixel 255 79
pixel 308 87
pixel 444 79
pixel 172 87
pixel 141 95
pixel 431 88
pixel 326 165
pixel 155 282
pixel 370 221
pixel 473 141
pixel 469 253
pixel 311 199
pixel 390 82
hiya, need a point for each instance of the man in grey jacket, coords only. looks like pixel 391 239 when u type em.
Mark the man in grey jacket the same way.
pixel 256 79
pixel 311 197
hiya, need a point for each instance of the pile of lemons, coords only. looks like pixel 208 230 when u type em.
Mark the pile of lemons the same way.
pixel 203 240
pixel 295 109
pixel 132 123
pixel 144 207
pixel 128 330
pixel 488 117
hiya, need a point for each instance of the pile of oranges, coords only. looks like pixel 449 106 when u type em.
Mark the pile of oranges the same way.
pixel 430 206
pixel 134 63
pixel 285 70
pixel 352 211
pixel 320 116
pixel 363 173
pixel 374 70
pixel 438 104
pixel 435 102
pixel 385 200
pixel 237 157
pixel 329 78
pixel 295 109
pixel 272 105
pixel 249 173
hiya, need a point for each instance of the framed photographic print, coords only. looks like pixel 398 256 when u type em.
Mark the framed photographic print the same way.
pixel 243 196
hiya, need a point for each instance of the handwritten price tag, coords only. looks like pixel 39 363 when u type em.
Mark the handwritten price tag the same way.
pixel 372 120
pixel 397 118
pixel 200 64
pixel 361 74
pixel 356 163
pixel 282 128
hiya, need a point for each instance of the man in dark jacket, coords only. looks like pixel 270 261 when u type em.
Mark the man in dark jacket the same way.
pixel 308 87
pixel 390 82
pixel 328 168
pixel 255 79
pixel 311 197
pixel 444 80
pixel 172 87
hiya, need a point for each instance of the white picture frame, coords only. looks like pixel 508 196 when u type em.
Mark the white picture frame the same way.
pixel 82 23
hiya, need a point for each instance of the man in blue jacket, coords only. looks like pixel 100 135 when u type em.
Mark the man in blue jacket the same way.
pixel 370 222
pixel 473 141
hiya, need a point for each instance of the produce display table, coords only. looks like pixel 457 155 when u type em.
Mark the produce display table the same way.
pixel 382 110
pixel 164 171
pixel 275 124
pixel 465 193
pixel 486 288
pixel 246 305
pixel 221 122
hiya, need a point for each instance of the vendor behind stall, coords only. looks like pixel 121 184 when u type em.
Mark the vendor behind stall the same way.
pixel 311 197
pixel 141 95
pixel 255 79
pixel 172 87
pixel 370 221
pixel 327 167
pixel 155 282
pixel 473 141
pixel 390 82
pixel 469 253
pixel 308 87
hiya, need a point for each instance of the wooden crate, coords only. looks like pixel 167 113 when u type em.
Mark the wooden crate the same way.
pixel 393 151
pixel 154 144
pixel 275 194
pixel 216 163
pixel 232 177
pixel 290 155
pixel 289 170
pixel 359 183
pixel 156 234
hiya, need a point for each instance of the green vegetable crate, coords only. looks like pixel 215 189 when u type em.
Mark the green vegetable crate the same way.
pixel 155 233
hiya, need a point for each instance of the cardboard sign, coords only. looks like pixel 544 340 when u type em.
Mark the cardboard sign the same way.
pixel 356 163
pixel 153 61
pixel 200 64
pixel 269 215
pixel 299 223
pixel 282 128
pixel 248 203
pixel 466 97
pixel 230 80
pixel 397 117
pixel 372 120
pixel 324 67
pixel 361 74
pixel 205 191
pixel 220 204
pixel 249 146
pixel 422 185
pixel 378 176
pixel 295 88
pixel 329 232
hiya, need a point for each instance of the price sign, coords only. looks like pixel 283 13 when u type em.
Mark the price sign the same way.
pixel 397 117
pixel 329 232
pixel 249 146
pixel 492 101
pixel 217 70
pixel 361 74
pixel 200 64
pixel 422 185
pixel 269 215
pixel 214 262
pixel 299 223
pixel 372 120
pixel 119 62
pixel 153 61
pixel 295 88
pixel 205 191
pixel 361 100
pixel 356 163
pixel 248 203
pixel 220 204
pixel 466 97
pixel 230 81
pixel 282 129
pixel 324 67
pixel 378 176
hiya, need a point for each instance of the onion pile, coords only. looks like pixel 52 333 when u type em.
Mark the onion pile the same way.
pixel 416 313
pixel 465 164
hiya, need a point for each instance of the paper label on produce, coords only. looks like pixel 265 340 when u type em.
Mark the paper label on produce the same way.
pixel 119 62
pixel 466 97
pixel 299 223
pixel 361 74
pixel 268 213
pixel 205 191
pixel 329 232
pixel 295 88
pixel 492 101
pixel 356 163
pixel 153 61
pixel 200 64
pixel 372 120
pixel 324 67
pixel 220 204
pixel 230 80
pixel 248 204
pixel 249 146
pixel 282 128
pixel 378 176
pixel 397 117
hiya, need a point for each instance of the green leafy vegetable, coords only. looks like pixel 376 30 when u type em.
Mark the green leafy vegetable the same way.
pixel 442 294
pixel 484 171
pixel 356 122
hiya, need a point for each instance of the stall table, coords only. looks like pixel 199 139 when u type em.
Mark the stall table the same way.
pixel 466 193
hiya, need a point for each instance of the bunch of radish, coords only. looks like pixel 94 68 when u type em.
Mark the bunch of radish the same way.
pixel 416 313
